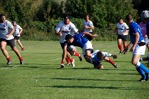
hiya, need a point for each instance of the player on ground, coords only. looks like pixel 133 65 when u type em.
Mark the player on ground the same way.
pixel 122 30
pixel 88 27
pixel 63 28
pixel 87 49
pixel 138 47
pixel 6 38
pixel 17 32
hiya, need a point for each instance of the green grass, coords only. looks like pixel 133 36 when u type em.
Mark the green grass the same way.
pixel 41 78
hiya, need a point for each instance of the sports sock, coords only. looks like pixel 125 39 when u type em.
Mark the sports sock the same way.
pixel 67 60
pixel 120 47
pixel 143 68
pixel 20 58
pixel 71 59
pixel 76 54
pixel 8 58
pixel 110 61
pixel 141 72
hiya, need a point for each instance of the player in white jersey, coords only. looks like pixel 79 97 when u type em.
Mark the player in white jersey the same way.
pixel 7 38
pixel 62 29
pixel 122 30
pixel 17 32
pixel 88 27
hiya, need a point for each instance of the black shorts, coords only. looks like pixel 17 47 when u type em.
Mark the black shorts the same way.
pixel 89 37
pixel 16 37
pixel 11 42
pixel 63 44
pixel 124 38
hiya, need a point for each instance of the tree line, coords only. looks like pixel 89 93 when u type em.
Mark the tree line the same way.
pixel 39 17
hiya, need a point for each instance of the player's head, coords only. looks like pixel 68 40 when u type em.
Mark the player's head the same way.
pixel 121 20
pixel 2 18
pixel 14 23
pixel 66 19
pixel 100 55
pixel 129 19
pixel 87 17
pixel 145 15
pixel 69 38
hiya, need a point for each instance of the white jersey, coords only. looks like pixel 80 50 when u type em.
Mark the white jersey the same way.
pixel 122 28
pixel 90 24
pixel 5 29
pixel 17 29
pixel 65 29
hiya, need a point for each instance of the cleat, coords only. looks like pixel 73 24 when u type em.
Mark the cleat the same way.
pixel 114 56
pixel 121 52
pixel 73 63
pixel 115 65
pixel 62 66
pixel 80 58
pixel 8 62
pixel 147 77
pixel 21 62
pixel 142 80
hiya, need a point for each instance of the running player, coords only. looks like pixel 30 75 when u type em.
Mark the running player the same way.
pixel 122 30
pixel 17 32
pixel 63 28
pixel 87 49
pixel 138 47
pixel 88 27
pixel 6 38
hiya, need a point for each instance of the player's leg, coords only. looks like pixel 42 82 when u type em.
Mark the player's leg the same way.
pixel 73 51
pixel 119 43
pixel 143 71
pixel 4 51
pixel 110 61
pixel 20 44
pixel 11 43
pixel 68 56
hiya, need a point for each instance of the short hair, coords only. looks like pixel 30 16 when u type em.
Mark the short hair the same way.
pixel 68 37
pixel 129 17
pixel 2 15
pixel 100 55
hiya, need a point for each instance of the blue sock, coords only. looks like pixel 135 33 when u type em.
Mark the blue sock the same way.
pixel 144 68
pixel 141 72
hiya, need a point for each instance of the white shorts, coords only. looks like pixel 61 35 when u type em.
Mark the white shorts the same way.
pixel 139 50
pixel 88 45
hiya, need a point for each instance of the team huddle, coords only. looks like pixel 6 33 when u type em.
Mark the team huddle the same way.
pixel 71 37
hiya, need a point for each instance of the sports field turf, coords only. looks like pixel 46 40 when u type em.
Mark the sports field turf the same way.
pixel 41 78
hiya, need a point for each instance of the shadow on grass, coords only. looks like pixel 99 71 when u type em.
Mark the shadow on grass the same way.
pixel 83 79
pixel 96 87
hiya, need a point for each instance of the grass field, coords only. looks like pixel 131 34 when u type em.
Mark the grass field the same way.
pixel 41 78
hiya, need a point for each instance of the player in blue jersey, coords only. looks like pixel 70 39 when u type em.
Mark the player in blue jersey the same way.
pixel 86 46
pixel 138 47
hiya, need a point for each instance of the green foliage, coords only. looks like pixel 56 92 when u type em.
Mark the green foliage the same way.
pixel 41 16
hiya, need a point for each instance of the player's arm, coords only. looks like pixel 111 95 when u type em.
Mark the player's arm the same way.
pixel 92 35
pixel 58 29
pixel 20 30
pixel 10 26
pixel 136 41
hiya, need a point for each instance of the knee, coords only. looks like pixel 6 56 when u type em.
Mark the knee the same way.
pixel 134 63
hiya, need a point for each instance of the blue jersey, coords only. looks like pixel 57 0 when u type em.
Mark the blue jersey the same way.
pixel 79 40
pixel 133 29
pixel 147 28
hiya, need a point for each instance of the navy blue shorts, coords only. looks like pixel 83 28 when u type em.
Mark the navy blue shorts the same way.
pixel 11 42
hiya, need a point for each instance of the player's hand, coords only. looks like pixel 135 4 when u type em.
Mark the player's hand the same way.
pixel 132 49
pixel 87 27
pixel 60 33
pixel 94 35
pixel 7 36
